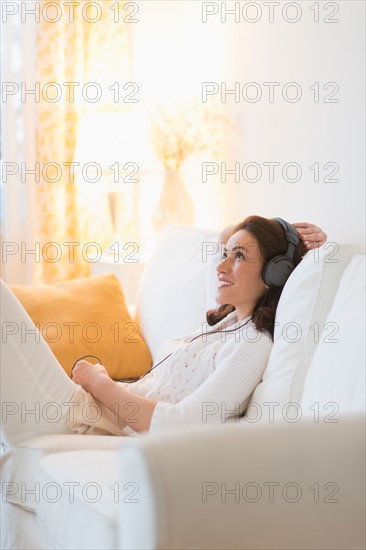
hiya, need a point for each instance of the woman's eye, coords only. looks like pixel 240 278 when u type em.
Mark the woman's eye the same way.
pixel 237 255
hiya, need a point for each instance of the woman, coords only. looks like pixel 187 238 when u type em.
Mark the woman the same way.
pixel 209 377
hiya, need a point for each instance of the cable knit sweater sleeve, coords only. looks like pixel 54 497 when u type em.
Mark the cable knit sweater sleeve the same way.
pixel 224 395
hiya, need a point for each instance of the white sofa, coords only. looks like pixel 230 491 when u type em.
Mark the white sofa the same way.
pixel 289 475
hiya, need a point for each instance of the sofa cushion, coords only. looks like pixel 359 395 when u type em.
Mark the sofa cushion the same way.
pixel 172 299
pixel 38 474
pixel 80 497
pixel 304 305
pixel 335 383
pixel 22 530
pixel 87 316
pixel 20 464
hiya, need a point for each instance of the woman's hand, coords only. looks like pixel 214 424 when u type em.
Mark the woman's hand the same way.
pixel 88 375
pixel 312 235
pixel 95 380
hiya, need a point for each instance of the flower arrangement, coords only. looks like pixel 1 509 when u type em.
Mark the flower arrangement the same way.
pixel 181 130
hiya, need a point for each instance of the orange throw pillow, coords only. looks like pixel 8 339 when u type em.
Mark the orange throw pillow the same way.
pixel 88 316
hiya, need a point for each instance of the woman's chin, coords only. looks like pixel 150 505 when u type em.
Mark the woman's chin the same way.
pixel 220 299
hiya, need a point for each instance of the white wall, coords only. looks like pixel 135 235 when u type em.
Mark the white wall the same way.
pixel 173 53
pixel 176 51
pixel 302 132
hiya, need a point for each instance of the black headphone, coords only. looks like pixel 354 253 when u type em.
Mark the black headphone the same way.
pixel 277 270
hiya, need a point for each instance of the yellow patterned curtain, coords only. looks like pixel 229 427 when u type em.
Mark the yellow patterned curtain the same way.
pixel 75 47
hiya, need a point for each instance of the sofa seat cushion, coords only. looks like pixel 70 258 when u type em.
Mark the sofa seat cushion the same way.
pixel 72 442
pixel 73 494
pixel 22 531
pixel 21 464
pixel 80 500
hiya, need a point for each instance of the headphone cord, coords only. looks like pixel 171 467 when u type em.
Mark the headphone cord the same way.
pixel 131 380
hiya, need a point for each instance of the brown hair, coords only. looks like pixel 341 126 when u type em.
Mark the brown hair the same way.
pixel 272 241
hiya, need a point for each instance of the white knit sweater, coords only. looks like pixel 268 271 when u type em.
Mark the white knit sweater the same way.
pixel 208 380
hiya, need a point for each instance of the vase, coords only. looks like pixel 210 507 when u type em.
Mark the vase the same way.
pixel 175 206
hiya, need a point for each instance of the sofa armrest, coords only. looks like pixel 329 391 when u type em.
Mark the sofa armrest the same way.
pixel 289 486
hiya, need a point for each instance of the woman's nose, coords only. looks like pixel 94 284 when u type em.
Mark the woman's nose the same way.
pixel 223 266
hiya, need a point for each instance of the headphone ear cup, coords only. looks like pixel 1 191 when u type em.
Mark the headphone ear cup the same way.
pixel 276 272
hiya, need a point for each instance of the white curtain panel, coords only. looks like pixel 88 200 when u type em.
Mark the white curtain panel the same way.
pixel 17 146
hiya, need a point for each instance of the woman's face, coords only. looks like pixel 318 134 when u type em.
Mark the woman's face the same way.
pixel 239 274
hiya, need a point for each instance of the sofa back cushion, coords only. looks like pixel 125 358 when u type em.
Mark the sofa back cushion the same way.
pixel 335 382
pixel 172 295
pixel 302 311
